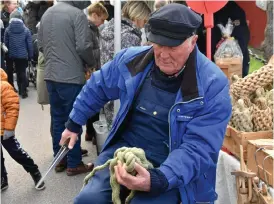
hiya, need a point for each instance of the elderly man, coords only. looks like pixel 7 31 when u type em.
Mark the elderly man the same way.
pixel 175 105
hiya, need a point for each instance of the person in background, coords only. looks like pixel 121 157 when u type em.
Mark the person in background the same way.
pixel 4 49
pixel 134 16
pixel 41 87
pixel 240 32
pixel 8 8
pixel 18 40
pixel 97 14
pixel 67 55
pixel 159 3
pixel 9 117
pixel 33 13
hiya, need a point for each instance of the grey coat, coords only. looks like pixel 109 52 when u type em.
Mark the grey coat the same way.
pixel 65 39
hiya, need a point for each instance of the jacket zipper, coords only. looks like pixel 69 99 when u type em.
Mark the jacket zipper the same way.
pixel 170 125
pixel 169 116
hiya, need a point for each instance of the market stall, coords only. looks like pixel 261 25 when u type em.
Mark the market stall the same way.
pixel 245 166
pixel 249 138
pixel 225 182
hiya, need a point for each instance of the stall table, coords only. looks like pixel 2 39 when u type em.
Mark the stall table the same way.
pixel 225 182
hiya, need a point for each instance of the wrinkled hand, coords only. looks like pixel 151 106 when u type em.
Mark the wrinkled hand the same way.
pixel 140 182
pixel 69 135
pixel 8 134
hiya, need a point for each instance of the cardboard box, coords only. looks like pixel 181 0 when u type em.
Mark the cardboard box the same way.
pixel 234 138
pixel 252 147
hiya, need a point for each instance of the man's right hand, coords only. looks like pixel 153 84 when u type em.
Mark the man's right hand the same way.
pixel 69 135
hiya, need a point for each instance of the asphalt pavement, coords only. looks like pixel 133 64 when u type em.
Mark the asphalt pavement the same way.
pixel 33 133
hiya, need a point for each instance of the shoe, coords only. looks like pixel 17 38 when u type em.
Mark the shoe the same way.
pixel 24 95
pixel 80 169
pixel 4 184
pixel 36 178
pixel 84 152
pixel 61 166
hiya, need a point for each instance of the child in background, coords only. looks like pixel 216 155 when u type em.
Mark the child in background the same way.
pixel 9 117
pixel 18 40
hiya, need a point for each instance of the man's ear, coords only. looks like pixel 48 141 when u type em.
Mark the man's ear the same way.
pixel 193 41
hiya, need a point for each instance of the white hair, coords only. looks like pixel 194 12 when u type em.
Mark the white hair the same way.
pixel 190 39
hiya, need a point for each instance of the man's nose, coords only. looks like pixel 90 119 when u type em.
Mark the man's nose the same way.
pixel 164 54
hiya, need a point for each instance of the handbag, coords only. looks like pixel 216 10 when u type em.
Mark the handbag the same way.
pixel 42 91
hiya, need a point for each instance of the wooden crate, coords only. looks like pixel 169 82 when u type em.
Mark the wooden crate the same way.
pixel 230 66
pixel 234 138
pixel 252 146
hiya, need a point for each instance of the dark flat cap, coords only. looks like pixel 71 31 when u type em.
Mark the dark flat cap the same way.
pixel 172 24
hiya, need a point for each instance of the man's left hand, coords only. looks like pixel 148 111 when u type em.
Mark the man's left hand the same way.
pixel 140 182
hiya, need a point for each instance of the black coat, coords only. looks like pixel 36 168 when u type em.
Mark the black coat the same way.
pixel 33 13
pixel 96 46
pixel 5 17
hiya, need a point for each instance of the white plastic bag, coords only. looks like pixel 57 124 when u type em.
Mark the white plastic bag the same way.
pixel 229 48
pixel 262 4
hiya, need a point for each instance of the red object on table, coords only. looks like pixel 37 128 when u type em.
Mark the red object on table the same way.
pixel 226 150
pixel 207 8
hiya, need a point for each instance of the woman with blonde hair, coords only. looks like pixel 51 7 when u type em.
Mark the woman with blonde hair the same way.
pixel 134 16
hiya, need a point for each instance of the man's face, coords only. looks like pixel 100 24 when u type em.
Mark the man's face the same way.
pixel 170 60
pixel 12 5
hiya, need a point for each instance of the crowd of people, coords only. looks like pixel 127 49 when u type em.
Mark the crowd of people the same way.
pixel 79 75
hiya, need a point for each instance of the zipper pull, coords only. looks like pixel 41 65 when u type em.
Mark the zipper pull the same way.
pixel 166 144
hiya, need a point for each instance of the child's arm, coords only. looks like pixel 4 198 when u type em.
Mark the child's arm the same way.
pixel 10 104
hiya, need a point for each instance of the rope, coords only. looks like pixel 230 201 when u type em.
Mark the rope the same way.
pixel 127 156
pixel 249 84
pixel 269 98
pixel 259 94
pixel 262 116
pixel 241 117
pixel 253 95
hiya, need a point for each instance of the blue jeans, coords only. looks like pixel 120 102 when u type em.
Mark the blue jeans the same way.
pixel 62 97
pixel 98 189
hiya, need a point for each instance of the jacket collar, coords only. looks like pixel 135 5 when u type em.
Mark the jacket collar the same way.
pixel 189 85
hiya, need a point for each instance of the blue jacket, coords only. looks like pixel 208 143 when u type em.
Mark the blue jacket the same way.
pixel 198 119
pixel 18 40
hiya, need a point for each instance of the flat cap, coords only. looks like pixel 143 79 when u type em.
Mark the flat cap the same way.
pixel 172 24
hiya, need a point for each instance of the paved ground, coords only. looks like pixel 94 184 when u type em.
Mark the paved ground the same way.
pixel 33 133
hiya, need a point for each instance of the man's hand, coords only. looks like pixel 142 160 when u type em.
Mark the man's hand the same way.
pixel 140 182
pixel 89 72
pixel 69 135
